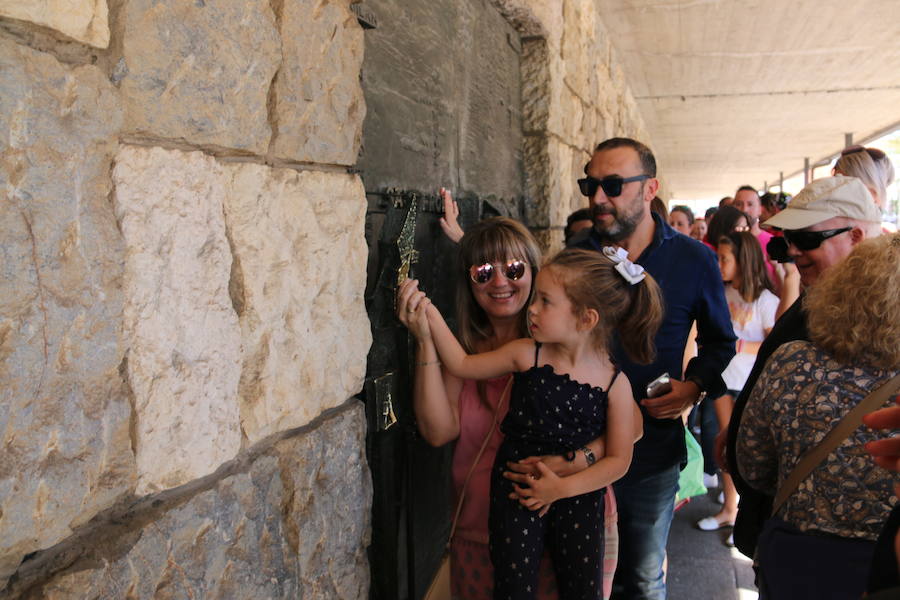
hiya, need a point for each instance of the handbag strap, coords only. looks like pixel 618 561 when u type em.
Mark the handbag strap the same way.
pixel 487 438
pixel 834 438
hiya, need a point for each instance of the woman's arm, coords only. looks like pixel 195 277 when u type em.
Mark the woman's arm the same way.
pixel 723 405
pixel 558 463
pixel 435 392
pixel 435 397
pixel 548 488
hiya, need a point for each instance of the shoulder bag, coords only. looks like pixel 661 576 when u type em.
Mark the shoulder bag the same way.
pixel 796 564
pixel 440 584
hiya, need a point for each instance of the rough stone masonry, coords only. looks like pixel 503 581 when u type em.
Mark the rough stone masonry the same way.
pixel 177 416
pixel 182 325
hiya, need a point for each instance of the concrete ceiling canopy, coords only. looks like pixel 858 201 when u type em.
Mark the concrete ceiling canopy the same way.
pixel 736 92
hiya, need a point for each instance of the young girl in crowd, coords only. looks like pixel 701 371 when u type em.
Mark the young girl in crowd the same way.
pixel 566 392
pixel 753 306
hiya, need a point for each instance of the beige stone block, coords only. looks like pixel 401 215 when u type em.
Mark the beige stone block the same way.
pixel 299 277
pixel 296 525
pixel 183 335
pixel 65 451
pixel 319 103
pixel 536 159
pixel 82 20
pixel 567 167
pixel 571 119
pixel 550 17
pixel 550 240
pixel 199 71
pixel 520 14
pixel 558 97
pixel 535 85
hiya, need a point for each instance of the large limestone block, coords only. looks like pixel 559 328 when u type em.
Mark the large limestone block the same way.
pixel 65 451
pixel 535 68
pixel 298 283
pixel 82 20
pixel 296 526
pixel 184 341
pixel 200 71
pixel 319 100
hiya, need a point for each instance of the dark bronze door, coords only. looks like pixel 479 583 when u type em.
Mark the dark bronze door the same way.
pixel 441 79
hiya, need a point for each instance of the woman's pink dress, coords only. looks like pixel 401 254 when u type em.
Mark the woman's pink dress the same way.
pixel 472 576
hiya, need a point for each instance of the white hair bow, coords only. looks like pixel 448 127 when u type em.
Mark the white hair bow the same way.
pixel 631 272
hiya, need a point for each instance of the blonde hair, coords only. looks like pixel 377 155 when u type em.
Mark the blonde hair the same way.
pixel 634 312
pixel 853 312
pixel 495 239
pixel 876 172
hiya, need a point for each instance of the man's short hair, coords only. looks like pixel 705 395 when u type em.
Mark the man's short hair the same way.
pixel 648 161
pixel 746 188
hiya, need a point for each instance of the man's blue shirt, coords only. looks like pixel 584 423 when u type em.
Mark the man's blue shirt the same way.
pixel 691 284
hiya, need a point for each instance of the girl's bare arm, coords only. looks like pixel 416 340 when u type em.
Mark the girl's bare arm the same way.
pixel 506 359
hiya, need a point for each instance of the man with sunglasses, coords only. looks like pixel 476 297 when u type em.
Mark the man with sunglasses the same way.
pixel 620 183
pixel 822 224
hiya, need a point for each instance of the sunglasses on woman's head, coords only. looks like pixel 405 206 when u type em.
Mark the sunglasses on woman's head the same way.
pixel 612 186
pixel 512 269
pixel 875 153
pixel 810 240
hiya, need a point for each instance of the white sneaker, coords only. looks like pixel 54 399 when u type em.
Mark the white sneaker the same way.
pixel 710 481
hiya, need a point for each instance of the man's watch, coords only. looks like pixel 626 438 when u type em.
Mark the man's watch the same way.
pixel 588 455
pixel 699 383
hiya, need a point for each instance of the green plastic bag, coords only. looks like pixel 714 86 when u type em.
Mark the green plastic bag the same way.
pixel 690 481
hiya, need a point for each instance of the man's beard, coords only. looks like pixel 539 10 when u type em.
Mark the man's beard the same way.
pixel 622 225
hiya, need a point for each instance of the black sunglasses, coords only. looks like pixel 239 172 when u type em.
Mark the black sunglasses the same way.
pixel 512 270
pixel 810 240
pixel 612 186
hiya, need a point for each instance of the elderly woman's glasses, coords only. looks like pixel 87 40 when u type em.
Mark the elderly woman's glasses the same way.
pixel 512 269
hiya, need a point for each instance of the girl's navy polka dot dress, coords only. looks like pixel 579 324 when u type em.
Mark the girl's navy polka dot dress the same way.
pixel 549 413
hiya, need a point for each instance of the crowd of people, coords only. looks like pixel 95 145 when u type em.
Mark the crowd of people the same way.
pixel 569 443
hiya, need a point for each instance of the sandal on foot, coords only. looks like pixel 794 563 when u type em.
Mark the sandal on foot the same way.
pixel 712 524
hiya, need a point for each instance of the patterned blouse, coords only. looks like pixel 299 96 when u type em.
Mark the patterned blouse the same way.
pixel 799 397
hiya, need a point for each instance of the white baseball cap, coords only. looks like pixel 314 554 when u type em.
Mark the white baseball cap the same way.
pixel 828 197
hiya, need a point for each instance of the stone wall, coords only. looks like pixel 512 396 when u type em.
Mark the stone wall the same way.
pixel 182 325
pixel 574 95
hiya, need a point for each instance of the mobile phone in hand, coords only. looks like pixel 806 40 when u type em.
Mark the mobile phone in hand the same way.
pixel 659 386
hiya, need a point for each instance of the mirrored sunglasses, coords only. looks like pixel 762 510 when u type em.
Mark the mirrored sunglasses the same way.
pixel 810 240
pixel 612 186
pixel 512 269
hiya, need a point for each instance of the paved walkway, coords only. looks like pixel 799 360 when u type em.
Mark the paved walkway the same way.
pixel 701 566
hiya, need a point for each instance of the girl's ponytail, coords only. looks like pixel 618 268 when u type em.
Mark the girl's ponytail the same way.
pixel 638 326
